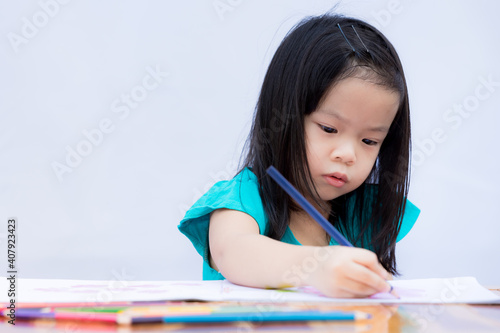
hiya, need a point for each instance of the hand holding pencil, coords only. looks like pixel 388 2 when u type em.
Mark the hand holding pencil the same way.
pixel 349 271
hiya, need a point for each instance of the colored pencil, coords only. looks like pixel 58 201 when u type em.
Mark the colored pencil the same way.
pixel 188 314
pixel 302 201
pixel 271 316
pixel 67 315
pixel 267 316
pixel 4 306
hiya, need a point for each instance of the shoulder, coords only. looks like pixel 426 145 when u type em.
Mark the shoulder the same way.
pixel 410 216
pixel 240 194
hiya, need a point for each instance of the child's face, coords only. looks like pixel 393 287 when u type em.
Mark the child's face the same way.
pixel 345 132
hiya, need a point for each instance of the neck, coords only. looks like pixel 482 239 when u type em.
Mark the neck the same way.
pixel 306 230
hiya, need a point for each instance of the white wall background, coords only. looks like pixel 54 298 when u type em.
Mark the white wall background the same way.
pixel 68 67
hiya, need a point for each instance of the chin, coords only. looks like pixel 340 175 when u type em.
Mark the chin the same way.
pixel 330 197
pixel 329 193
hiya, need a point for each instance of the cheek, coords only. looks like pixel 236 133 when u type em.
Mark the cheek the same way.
pixel 317 153
pixel 368 163
pixel 312 149
pixel 312 158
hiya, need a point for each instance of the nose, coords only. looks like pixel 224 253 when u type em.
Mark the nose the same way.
pixel 344 152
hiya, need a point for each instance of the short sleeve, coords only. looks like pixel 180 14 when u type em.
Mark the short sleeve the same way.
pixel 409 218
pixel 241 194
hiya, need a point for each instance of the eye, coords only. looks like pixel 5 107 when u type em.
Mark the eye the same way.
pixel 328 129
pixel 370 142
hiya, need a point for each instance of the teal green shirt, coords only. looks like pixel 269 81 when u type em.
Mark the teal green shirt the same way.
pixel 242 194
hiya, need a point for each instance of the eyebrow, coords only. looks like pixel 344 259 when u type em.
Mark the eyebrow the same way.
pixel 382 129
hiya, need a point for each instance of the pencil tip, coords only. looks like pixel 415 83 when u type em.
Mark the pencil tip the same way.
pixel 361 315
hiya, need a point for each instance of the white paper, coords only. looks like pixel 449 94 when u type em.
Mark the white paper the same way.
pixel 452 290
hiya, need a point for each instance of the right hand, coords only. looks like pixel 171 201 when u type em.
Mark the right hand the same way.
pixel 349 272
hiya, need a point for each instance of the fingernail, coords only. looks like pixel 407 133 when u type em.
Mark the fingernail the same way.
pixel 393 292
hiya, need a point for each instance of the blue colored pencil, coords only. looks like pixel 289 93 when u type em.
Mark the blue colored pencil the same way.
pixel 299 198
pixel 267 317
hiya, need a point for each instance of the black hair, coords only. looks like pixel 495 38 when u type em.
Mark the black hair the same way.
pixel 314 56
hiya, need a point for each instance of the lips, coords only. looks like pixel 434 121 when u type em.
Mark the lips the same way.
pixel 339 175
pixel 336 179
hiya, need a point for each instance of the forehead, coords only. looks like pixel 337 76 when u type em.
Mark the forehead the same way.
pixel 356 100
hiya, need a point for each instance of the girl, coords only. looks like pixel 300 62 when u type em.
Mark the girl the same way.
pixel 333 117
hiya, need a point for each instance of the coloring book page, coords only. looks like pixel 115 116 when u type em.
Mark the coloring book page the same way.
pixel 450 290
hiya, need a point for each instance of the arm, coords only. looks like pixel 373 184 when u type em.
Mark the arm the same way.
pixel 247 258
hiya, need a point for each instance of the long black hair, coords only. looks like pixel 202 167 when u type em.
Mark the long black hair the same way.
pixel 312 57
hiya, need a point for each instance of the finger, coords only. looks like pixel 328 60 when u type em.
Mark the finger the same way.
pixel 365 276
pixel 359 281
pixel 370 261
pixel 357 289
pixel 343 288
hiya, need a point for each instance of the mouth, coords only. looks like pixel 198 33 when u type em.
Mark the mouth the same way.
pixel 336 179
pixel 339 175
